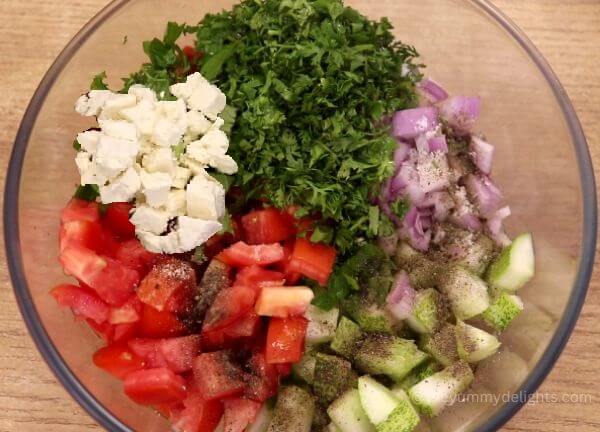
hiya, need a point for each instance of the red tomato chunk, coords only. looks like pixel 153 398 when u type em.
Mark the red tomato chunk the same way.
pixel 84 302
pixel 313 260
pixel 155 386
pixel 118 360
pixel 157 324
pixel 241 254
pixel 198 415
pixel 165 279
pixel 229 306
pixel 117 220
pixel 285 339
pixel 216 376
pixel 267 226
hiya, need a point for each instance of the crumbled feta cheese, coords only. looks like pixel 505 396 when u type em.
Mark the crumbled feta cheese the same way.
pixel 198 124
pixel 91 104
pixel 194 232
pixel 119 129
pixel 142 94
pixel 115 155
pixel 159 159
pixel 143 116
pixel 205 198
pixel 121 189
pixel 83 160
pixel 176 203
pixel 148 219
pixel 115 103
pixel 208 99
pixel 160 244
pixel 184 90
pixel 182 176
pixel 156 187
pixel 218 124
pixel 89 140
pixel 171 124
pixel 225 164
pixel 195 167
pixel 211 145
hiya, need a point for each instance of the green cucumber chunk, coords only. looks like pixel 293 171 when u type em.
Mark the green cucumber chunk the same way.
pixel 430 311
pixel 369 317
pixel 305 368
pixel 346 338
pixel 503 310
pixel 293 412
pixel 262 420
pixel 348 415
pixel 474 344
pixel 435 393
pixel 321 324
pixel 515 266
pixel 331 377
pixel 467 293
pixel 388 355
pixel 441 345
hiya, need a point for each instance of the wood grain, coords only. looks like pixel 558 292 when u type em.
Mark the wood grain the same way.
pixel 33 32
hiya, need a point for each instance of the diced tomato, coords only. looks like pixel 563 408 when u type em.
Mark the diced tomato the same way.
pixel 124 332
pixel 117 220
pixel 267 226
pixel 291 277
pixel 262 383
pixel 213 340
pixel 241 254
pixel 257 277
pixel 313 260
pixel 80 210
pixel 180 352
pixel 128 313
pixel 229 306
pixel 285 339
pixel 113 282
pixel 216 376
pixel 245 327
pixel 166 277
pixel 135 256
pixel 148 350
pixel 83 233
pixel 169 411
pixel 104 330
pixel 84 302
pixel 154 386
pixel 110 243
pixel 284 369
pixel 117 360
pixel 159 324
pixel 198 414
pixel 239 413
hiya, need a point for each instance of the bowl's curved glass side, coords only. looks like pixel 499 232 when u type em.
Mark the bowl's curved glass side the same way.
pixel 468 46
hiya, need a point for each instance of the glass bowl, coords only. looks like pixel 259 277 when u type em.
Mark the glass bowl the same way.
pixel 542 165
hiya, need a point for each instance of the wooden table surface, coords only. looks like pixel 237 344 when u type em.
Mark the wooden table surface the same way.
pixel 33 32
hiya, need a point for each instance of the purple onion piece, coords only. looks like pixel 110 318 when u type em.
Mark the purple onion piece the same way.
pixel 438 143
pixel 410 123
pixel 461 111
pixel 401 153
pixel 483 154
pixel 484 193
pixel 432 90
pixel 401 299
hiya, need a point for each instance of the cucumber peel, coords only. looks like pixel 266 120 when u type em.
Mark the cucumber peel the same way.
pixel 515 266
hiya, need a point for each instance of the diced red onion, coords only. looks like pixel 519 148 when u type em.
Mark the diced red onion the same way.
pixel 485 194
pixel 438 143
pixel 432 90
pixel 422 144
pixel 483 154
pixel 401 153
pixel 410 123
pixel 468 221
pixel 401 299
pixel 494 223
pixel 441 202
pixel 461 111
pixel 416 229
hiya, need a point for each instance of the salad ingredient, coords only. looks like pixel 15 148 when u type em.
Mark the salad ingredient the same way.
pixel 402 298
pixel 433 394
pixel 388 355
pixel 229 305
pixel 242 254
pixel 283 301
pixel 198 414
pixel 461 111
pixel 262 420
pixel 346 338
pixel 348 414
pixel 321 324
pixel 432 90
pixel 430 311
pixel 117 360
pixel 305 368
pixel 313 260
pixel 474 344
pixel 410 123
pixel 83 302
pixel 217 376
pixel 515 266
pixel 285 340
pixel 159 324
pixel 441 345
pixel 239 413
pixel 164 280
pixel 483 154
pixel 467 293
pixel 134 152
pixel 267 226
pixel 333 376
pixel 503 310
pixel 154 386
pixel 418 374
pixel 312 104
pixel 293 412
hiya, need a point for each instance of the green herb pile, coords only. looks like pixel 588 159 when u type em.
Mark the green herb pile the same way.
pixel 308 83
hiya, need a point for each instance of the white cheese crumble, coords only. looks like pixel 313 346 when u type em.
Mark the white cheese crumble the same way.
pixel 156 153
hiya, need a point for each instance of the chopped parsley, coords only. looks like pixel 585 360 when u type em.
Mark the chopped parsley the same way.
pixel 98 82
pixel 87 192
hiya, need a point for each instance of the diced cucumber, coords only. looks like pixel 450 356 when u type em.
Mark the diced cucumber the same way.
pixel 475 251
pixel 347 338
pixel 418 374
pixel 474 344
pixel 331 427
pixel 331 376
pixel 388 355
pixel 422 271
pixel 377 401
pixel 321 324
pixel 466 292
pixel 429 313
pixel 348 414
pixel 386 411
pixel 515 266
pixel 369 317
pixel 442 345
pixel 262 420
pixel 293 412
pixel 503 310
pixel 305 368
pixel 433 394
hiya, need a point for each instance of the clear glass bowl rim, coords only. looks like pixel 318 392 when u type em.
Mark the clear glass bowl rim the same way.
pixel 104 417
